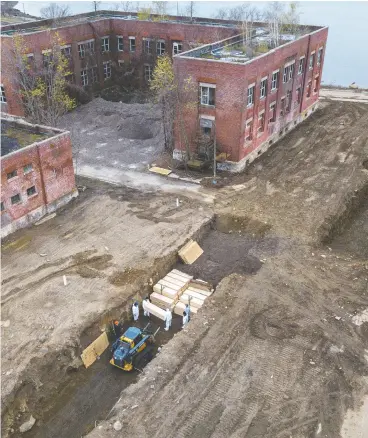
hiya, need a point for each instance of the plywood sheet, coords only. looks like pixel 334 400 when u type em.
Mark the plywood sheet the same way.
pixel 205 293
pixel 190 252
pixel 160 170
pixel 94 350
pixel 179 283
pixel 156 311
pixel 194 294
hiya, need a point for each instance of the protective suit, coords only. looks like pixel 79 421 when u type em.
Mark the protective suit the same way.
pixel 185 319
pixel 187 311
pixel 135 310
pixel 168 319
pixel 144 305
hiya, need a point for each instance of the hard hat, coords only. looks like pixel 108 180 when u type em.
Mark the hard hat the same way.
pixel 116 322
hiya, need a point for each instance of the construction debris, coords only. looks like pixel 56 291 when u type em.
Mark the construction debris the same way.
pixel 160 170
pixel 190 252
pixel 94 350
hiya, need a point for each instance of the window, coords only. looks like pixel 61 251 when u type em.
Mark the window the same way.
pixel 316 84
pixel 46 58
pixel 272 113
pixel 160 47
pixel 309 89
pixel 208 95
pixel 12 174
pixel 15 199
pixel 275 80
pixel 282 110
pixel 298 95
pixel 132 44
pixel 311 61
pixel 120 43
pixel 2 206
pixel 289 95
pixel 263 88
pixel 147 73
pixel 31 191
pixel 206 125
pixel 86 47
pixel 2 94
pixel 285 76
pixel 261 122
pixel 147 46
pixel 319 56
pixel 291 71
pixel 248 130
pixel 301 65
pixel 66 51
pixel 177 48
pixel 250 95
pixel 84 77
pixel 28 168
pixel 121 63
pixel 107 70
pixel 105 44
pixel 94 75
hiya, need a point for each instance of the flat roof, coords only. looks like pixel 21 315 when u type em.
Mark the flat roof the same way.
pixel 16 134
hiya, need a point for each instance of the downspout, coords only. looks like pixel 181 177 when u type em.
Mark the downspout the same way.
pixel 41 177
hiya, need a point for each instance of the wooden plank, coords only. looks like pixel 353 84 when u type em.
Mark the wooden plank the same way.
pixel 190 253
pixel 206 293
pixel 173 294
pixel 182 274
pixel 194 294
pixel 156 311
pixel 160 170
pixel 179 283
pixel 158 288
pixel 176 287
pixel 94 350
pixel 194 302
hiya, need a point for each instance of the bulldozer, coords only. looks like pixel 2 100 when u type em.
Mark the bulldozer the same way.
pixel 133 348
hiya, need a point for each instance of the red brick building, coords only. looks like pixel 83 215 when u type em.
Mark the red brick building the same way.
pixel 247 98
pixel 37 174
pixel 249 101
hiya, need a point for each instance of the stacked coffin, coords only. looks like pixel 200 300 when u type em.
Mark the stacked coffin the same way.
pixel 176 290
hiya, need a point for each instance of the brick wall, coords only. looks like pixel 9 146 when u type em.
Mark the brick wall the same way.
pixel 52 175
pixel 232 80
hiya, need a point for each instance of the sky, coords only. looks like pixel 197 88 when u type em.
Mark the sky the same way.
pixel 346 55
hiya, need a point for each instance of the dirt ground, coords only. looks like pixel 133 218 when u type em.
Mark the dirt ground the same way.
pixel 280 350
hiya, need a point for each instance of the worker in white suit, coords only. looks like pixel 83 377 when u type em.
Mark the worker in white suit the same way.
pixel 168 319
pixel 135 310
pixel 144 305
pixel 185 319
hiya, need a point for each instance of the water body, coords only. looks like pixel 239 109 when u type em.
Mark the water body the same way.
pixel 346 55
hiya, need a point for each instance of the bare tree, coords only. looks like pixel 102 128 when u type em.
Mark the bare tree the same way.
pixel 250 15
pixel 54 10
pixel 160 8
pixel 291 19
pixel 274 15
pixel 96 6
pixel 190 10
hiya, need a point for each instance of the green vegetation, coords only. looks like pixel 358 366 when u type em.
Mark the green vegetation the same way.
pixel 24 137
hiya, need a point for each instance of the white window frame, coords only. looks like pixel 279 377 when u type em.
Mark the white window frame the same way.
pixel 159 49
pixel 261 115
pixel 272 108
pixel 311 60
pixel 263 88
pixel 319 55
pixel 66 46
pixel 131 45
pixel 94 77
pixel 105 44
pixel 86 46
pixel 148 67
pixel 147 46
pixel 285 75
pixel 84 77
pixel 248 125
pixel 275 79
pixel 120 43
pixel 205 95
pixel 2 94
pixel 107 70
pixel 291 71
pixel 250 95
pixel 176 45
pixel 301 65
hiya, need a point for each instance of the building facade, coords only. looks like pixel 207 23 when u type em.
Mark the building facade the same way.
pixel 248 94
pixel 37 174
pixel 249 102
